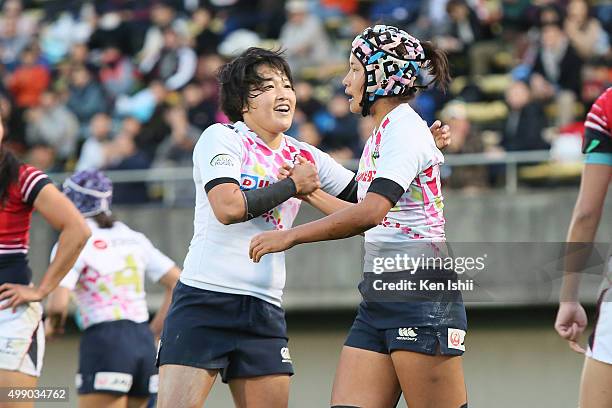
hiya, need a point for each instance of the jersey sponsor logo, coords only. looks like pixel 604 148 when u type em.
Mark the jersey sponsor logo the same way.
pixel 110 381
pixel 284 352
pixel 222 160
pixel 250 182
pixel 100 244
pixel 456 339
pixel 407 334
pixel 366 176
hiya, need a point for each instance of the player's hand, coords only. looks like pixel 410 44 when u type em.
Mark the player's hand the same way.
pixel 441 134
pixel 269 242
pixel 284 171
pixel 13 295
pixel 570 323
pixel 305 176
pixel 54 326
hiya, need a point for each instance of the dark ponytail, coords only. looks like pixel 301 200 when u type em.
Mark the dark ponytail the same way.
pixel 104 220
pixel 437 65
pixel 9 173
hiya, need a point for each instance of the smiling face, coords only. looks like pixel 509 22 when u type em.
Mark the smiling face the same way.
pixel 353 82
pixel 270 106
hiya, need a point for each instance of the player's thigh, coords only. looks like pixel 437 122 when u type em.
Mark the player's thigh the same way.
pixel 596 384
pixel 268 391
pixel 102 400
pixel 430 381
pixel 138 402
pixel 365 378
pixel 16 379
pixel 183 386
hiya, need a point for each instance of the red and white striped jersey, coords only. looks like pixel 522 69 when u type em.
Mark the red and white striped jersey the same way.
pixel 598 125
pixel 16 214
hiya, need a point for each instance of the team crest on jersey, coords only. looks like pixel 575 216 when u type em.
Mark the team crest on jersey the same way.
pixel 250 182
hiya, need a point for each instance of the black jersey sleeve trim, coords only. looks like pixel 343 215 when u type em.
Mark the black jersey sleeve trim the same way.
pixel 387 188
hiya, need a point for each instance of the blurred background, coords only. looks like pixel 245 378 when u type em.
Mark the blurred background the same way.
pixel 127 86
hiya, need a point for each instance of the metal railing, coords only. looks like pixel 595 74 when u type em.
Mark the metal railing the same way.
pixel 168 176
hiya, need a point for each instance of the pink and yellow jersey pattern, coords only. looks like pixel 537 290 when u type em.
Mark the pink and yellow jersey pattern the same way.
pixel 402 150
pixel 218 257
pixel 108 278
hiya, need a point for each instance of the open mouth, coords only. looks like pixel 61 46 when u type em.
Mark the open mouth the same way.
pixel 283 108
pixel 349 96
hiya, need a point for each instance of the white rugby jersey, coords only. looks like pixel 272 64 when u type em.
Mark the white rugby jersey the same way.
pixel 218 257
pixel 108 277
pixel 402 150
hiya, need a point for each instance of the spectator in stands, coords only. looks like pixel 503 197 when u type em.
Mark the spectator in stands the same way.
pixel 465 140
pixel 12 42
pixel 526 120
pixel 309 133
pixel 61 34
pixel 304 38
pixel 206 40
pixel 585 33
pixel 339 129
pixel 85 95
pixel 12 119
pixel 110 28
pixel 463 31
pixel 201 104
pixel 95 150
pixel 142 104
pixel 26 23
pixel 557 68
pixel 175 64
pixel 178 147
pixel 52 124
pixel 124 155
pixel 307 105
pixel 29 80
pixel 117 72
pixel 163 15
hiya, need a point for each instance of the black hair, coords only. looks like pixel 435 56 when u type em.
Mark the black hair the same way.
pixel 239 79
pixel 104 220
pixel 9 173
pixel 436 63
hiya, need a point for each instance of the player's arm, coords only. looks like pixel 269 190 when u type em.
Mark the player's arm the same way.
pixel 329 204
pixel 322 200
pixel 232 205
pixel 571 318
pixel 168 281
pixel 57 311
pixel 62 215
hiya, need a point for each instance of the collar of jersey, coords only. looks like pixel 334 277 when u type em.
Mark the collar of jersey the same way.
pixel 243 128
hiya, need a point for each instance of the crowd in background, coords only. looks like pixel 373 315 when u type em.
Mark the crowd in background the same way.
pixel 130 84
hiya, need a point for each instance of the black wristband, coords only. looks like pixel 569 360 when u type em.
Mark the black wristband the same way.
pixel 387 188
pixel 350 192
pixel 264 199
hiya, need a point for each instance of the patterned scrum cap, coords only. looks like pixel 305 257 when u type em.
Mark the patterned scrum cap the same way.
pixel 90 191
pixel 391 58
